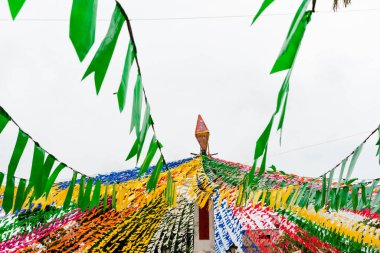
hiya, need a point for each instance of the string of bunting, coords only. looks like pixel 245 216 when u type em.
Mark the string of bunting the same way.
pixel 285 61
pixel 40 180
pixel 322 191
pixel 145 223
pixel 82 35
pixel 304 227
pixel 99 65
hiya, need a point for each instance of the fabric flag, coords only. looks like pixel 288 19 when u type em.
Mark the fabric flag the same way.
pixel 147 122
pixel 35 172
pixel 4 119
pixel 354 158
pixel 344 162
pixel 331 176
pixel 95 199
pixel 262 142
pixel 355 197
pixel 46 169
pixel 82 183
pixel 343 196
pixel 1 178
pixel 264 5
pixel 105 196
pixel 153 146
pixel 18 150
pixel 137 103
pixel 70 191
pixel 293 40
pixel 134 149
pixel 102 58
pixel 153 179
pixel 83 25
pixel 283 95
pixel 323 197
pixel 363 202
pixel 140 138
pixel 20 195
pixel 53 177
pixel 87 194
pixel 40 171
pixel 373 187
pixel 114 196
pixel 8 194
pixel 263 162
pixel 122 92
pixel 170 190
pixel 15 7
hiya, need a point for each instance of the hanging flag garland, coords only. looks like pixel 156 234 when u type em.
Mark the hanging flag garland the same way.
pixel 40 181
pixel 82 35
pixel 140 222
pixel 285 61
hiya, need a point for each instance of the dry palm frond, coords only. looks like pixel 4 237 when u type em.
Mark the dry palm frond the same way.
pixel 336 4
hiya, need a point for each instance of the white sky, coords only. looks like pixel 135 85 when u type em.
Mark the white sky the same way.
pixel 215 67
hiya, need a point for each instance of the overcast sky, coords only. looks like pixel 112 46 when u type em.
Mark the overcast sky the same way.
pixel 218 68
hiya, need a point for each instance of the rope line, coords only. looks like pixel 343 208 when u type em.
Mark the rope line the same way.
pixel 317 144
pixel 192 17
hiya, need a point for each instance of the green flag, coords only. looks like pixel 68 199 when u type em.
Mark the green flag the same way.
pixel 283 95
pixel 48 166
pixel 1 178
pixel 262 142
pixel 263 162
pixel 4 119
pixel 87 193
pixel 18 150
pixel 8 194
pixel 134 149
pixel 122 92
pixel 105 197
pixel 102 58
pixel 140 138
pixel 293 40
pixel 22 140
pixel 147 122
pixel 342 171
pixel 53 177
pixel 95 199
pixel 82 183
pixel 354 159
pixel 20 195
pixel 153 146
pixel 331 176
pixel 37 164
pixel 137 103
pixel 15 7
pixel 114 196
pixel 354 195
pixel 83 25
pixel 69 194
pixel 323 197
pixel 153 179
pixel 343 196
pixel 264 5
